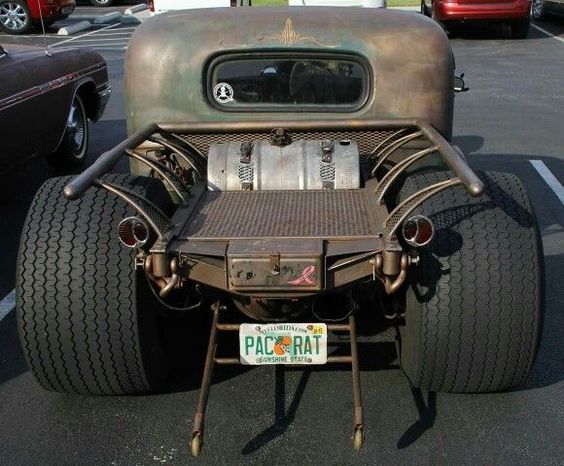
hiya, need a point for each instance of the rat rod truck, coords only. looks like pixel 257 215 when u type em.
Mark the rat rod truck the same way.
pixel 291 173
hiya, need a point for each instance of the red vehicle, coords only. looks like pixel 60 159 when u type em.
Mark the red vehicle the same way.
pixel 515 12
pixel 19 16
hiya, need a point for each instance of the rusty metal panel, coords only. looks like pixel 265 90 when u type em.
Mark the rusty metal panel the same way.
pixel 275 214
pixel 275 265
pixel 409 57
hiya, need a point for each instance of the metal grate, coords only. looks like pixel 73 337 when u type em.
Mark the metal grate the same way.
pixel 367 140
pixel 259 214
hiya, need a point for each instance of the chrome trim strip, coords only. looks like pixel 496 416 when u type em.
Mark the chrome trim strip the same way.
pixel 49 86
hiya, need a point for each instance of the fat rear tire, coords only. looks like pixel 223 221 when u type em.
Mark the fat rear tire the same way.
pixel 474 303
pixel 86 318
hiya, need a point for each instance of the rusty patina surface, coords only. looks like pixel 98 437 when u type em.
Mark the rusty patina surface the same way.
pixel 409 56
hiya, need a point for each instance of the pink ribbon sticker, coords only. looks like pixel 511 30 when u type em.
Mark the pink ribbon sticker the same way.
pixel 304 277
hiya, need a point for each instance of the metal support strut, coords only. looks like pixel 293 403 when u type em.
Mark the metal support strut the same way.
pixel 198 430
pixel 212 360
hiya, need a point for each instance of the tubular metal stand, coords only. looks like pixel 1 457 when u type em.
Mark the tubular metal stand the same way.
pixel 212 360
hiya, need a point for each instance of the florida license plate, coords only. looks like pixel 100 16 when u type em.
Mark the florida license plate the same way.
pixel 283 343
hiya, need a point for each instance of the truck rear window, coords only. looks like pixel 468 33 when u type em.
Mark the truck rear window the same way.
pixel 294 83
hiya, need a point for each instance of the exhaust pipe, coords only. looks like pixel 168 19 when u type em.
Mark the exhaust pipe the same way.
pixel 418 231
pixel 133 232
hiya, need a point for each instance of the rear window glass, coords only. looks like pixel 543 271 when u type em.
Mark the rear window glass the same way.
pixel 271 83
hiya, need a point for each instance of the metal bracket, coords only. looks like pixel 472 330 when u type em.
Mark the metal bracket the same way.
pixel 154 216
pixel 173 147
pixel 245 152
pixel 393 174
pixel 280 137
pixel 389 150
pixel 399 214
pixel 212 360
pixel 166 173
pixel 391 137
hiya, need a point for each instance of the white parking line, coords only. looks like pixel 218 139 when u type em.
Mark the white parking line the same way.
pixel 72 39
pixel 121 39
pixel 8 304
pixel 544 31
pixel 549 178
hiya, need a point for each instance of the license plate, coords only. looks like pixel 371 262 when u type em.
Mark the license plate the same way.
pixel 283 343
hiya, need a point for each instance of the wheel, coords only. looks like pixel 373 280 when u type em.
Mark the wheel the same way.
pixel 74 143
pixel 537 10
pixel 86 317
pixel 474 303
pixel 102 2
pixel 520 28
pixel 358 438
pixel 196 445
pixel 14 17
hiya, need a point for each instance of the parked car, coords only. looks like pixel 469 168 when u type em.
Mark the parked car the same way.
pixel 161 6
pixel 19 16
pixel 543 8
pixel 291 174
pixel 46 102
pixel 514 12
pixel 350 3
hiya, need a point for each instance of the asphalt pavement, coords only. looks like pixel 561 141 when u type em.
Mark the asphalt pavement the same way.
pixel 512 116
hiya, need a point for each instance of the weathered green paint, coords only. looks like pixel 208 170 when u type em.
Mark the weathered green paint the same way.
pixel 409 54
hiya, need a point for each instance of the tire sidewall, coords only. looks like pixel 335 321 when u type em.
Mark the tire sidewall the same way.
pixel 78 156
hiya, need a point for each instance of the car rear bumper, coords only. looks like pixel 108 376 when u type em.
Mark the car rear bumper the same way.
pixel 454 11
pixel 57 10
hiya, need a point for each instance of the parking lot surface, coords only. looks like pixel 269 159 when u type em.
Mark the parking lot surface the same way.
pixel 510 120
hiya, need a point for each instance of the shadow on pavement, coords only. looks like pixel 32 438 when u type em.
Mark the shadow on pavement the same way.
pixel 427 414
pixel 282 418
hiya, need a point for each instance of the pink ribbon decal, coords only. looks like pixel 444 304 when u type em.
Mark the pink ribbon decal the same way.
pixel 304 277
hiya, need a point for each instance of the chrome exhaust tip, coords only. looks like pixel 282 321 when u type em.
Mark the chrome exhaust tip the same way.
pixel 418 231
pixel 133 232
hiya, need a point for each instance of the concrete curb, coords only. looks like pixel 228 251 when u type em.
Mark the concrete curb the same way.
pixel 405 8
pixel 81 17
pixel 74 28
pixel 130 19
pixel 136 9
pixel 108 17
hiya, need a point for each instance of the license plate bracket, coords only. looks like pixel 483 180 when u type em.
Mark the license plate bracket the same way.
pixel 283 343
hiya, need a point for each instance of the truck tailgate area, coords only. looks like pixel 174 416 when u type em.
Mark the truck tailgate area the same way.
pixel 281 214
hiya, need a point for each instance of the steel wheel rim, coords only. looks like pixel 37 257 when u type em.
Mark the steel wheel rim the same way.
pixel 76 128
pixel 13 16
pixel 537 8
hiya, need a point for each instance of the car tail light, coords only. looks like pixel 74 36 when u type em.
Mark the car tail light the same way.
pixel 133 232
pixel 418 231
